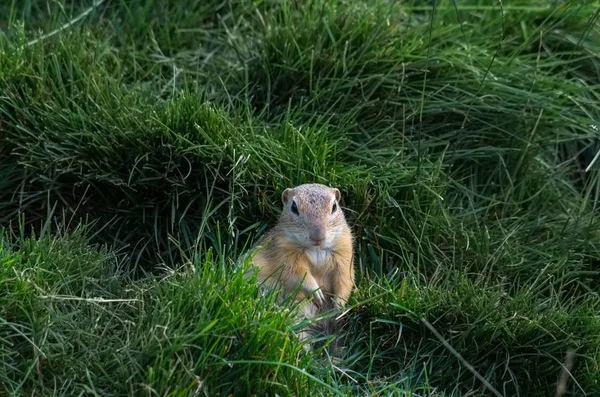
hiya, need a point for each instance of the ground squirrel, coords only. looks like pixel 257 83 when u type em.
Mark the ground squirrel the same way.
pixel 311 244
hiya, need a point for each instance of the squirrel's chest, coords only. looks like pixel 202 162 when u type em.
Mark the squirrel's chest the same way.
pixel 318 257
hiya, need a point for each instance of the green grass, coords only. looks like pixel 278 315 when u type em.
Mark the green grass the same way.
pixel 145 144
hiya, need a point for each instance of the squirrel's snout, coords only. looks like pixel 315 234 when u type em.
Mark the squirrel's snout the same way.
pixel 316 234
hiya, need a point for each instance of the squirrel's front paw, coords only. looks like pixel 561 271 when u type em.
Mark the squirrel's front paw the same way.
pixel 339 303
pixel 313 291
pixel 319 298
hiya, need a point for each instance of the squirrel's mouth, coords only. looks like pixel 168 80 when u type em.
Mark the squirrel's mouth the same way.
pixel 316 244
pixel 311 245
pixel 320 243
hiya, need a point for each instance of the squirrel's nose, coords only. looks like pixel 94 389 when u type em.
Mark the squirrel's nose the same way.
pixel 316 234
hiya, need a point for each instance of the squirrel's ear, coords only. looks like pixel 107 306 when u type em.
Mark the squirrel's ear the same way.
pixel 287 193
pixel 337 193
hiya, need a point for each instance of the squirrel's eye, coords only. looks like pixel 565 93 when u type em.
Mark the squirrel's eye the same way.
pixel 295 208
pixel 334 208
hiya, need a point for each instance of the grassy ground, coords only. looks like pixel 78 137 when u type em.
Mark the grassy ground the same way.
pixel 144 144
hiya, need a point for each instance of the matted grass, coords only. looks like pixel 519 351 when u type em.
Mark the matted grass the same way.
pixel 144 144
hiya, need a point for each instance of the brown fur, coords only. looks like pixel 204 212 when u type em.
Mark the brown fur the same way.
pixel 286 254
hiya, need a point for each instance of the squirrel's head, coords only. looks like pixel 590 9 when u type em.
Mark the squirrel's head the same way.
pixel 312 216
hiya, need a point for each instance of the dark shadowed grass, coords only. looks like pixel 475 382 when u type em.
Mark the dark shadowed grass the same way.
pixel 462 137
pixel 494 330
